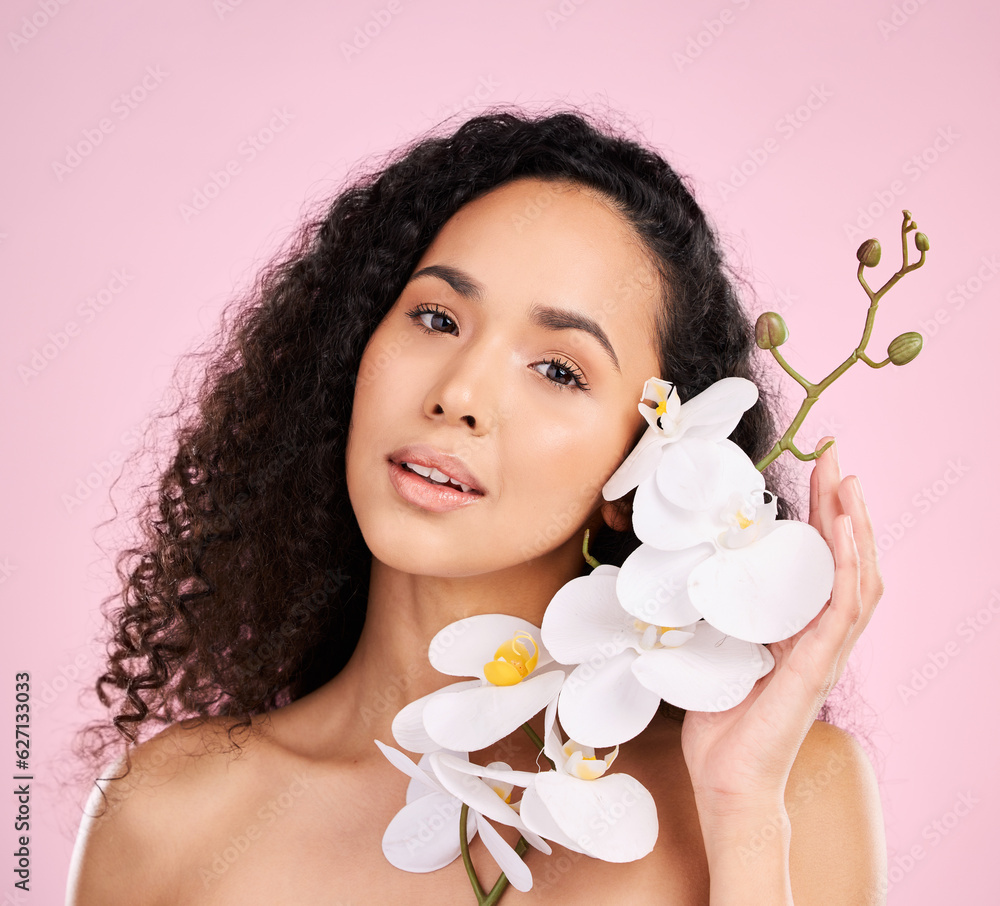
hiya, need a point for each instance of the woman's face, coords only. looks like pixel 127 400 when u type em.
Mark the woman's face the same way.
pixel 512 362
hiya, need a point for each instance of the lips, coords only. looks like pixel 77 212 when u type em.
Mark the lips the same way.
pixel 438 466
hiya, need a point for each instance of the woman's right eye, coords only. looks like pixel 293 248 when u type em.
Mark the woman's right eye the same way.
pixel 432 320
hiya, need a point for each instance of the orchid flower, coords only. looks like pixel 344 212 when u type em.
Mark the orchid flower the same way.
pixel 423 836
pixel 712 414
pixel 709 525
pixel 627 665
pixel 515 679
pixel 577 805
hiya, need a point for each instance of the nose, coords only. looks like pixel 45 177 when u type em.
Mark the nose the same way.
pixel 468 389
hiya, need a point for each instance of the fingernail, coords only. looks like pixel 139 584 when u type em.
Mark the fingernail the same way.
pixel 857 489
pixel 848 527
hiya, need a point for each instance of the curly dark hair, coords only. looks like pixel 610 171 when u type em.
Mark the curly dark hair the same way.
pixel 247 586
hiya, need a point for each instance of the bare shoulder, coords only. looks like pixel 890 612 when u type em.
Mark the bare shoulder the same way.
pixel 838 836
pixel 143 822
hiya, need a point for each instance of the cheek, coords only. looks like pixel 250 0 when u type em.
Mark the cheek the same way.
pixel 382 360
pixel 563 467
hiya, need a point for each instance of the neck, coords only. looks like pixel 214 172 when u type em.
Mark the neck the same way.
pixel 389 667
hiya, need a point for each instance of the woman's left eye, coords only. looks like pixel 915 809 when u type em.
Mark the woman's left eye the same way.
pixel 558 372
pixel 431 319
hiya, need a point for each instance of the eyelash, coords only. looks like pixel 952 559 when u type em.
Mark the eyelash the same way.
pixel 414 315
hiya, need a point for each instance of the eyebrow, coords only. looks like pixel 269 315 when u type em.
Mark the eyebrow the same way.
pixel 541 315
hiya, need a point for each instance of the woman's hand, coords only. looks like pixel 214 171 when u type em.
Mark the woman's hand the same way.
pixel 740 759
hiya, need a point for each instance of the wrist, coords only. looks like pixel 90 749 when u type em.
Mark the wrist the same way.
pixel 747 845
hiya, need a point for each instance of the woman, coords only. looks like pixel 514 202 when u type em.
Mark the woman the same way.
pixel 489 304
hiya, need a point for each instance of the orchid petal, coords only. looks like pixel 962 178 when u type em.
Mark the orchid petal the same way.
pixel 463 647
pixel 552 740
pixel 640 463
pixel 402 763
pixel 504 775
pixel 612 818
pixel 710 672
pixel 701 475
pixel 473 719
pixel 769 590
pixel 491 772
pixel 417 788
pixel 715 412
pixel 652 584
pixel 510 863
pixel 423 835
pixel 408 724
pixel 472 790
pixel 584 617
pixel 536 815
pixel 664 525
pixel 602 704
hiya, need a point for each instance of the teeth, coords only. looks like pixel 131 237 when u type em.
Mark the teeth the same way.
pixel 435 475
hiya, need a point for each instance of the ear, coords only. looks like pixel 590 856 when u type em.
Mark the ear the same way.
pixel 616 514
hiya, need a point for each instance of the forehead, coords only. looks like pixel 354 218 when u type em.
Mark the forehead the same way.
pixel 557 243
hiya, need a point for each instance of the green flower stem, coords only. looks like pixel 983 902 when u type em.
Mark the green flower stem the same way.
pixel 521 847
pixel 536 739
pixel 482 897
pixel 786 442
pixel 586 553
pixel 463 843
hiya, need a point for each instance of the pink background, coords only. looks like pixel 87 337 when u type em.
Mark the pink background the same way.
pixel 903 114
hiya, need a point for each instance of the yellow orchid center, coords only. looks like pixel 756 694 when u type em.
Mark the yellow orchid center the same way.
pixel 661 407
pixel 743 521
pixel 504 791
pixel 513 661
pixel 653 636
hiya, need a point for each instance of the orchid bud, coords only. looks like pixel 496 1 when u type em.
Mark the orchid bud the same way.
pixel 870 252
pixel 770 330
pixel 922 242
pixel 905 348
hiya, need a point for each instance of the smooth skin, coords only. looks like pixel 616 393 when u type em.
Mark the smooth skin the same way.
pixel 761 804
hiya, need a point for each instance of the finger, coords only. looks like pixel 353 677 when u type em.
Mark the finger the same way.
pixel 835 632
pixel 814 498
pixel 827 484
pixel 872 586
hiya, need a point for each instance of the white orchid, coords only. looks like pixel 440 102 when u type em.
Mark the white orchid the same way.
pixel 515 679
pixel 628 665
pixel 577 805
pixel 709 525
pixel 423 836
pixel 711 414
